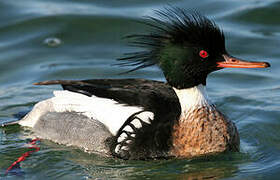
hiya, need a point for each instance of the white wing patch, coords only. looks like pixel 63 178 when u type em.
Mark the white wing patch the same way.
pixel 137 124
pixel 128 129
pixel 109 112
pixel 122 137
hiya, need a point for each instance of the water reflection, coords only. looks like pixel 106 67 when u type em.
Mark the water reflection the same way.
pixel 214 167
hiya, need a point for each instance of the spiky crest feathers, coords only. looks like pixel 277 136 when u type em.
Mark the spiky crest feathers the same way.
pixel 175 35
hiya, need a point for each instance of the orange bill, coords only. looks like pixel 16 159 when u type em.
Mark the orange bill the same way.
pixel 232 62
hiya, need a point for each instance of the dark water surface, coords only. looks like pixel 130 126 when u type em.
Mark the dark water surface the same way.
pixel 89 39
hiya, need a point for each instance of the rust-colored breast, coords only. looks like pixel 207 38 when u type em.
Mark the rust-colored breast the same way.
pixel 203 131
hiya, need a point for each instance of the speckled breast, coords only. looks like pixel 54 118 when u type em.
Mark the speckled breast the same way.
pixel 203 131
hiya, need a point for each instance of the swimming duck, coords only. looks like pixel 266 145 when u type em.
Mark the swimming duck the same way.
pixel 142 119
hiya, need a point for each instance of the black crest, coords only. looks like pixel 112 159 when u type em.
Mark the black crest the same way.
pixel 176 26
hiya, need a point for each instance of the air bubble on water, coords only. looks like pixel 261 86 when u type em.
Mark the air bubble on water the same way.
pixel 52 42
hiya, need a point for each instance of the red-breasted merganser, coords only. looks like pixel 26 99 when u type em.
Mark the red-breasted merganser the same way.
pixel 140 119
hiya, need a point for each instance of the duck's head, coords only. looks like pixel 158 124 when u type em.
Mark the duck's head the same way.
pixel 187 47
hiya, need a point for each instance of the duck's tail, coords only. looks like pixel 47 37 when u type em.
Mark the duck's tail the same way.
pixel 5 124
pixel 17 117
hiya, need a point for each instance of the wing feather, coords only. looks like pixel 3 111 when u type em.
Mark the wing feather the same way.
pixel 152 95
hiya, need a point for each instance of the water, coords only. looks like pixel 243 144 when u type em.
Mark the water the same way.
pixel 50 39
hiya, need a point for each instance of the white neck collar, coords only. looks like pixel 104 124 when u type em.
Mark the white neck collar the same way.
pixel 193 98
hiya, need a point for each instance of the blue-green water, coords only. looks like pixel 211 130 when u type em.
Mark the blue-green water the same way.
pixel 91 39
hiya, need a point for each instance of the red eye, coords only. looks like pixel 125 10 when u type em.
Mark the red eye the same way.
pixel 203 54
